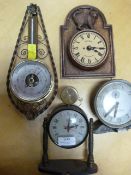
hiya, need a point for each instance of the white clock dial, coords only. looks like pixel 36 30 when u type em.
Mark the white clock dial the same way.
pixel 88 48
pixel 113 103
pixel 68 128
pixel 30 81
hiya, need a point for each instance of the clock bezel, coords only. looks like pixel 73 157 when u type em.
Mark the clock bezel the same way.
pixel 68 107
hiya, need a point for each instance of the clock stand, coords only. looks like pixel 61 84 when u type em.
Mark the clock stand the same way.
pixel 67 167
pixel 100 128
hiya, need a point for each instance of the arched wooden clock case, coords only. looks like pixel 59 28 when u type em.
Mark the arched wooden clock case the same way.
pixel 86 19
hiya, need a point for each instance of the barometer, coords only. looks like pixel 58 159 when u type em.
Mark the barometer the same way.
pixel 32 77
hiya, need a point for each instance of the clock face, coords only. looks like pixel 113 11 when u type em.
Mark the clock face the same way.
pixel 68 128
pixel 113 104
pixel 69 95
pixel 88 49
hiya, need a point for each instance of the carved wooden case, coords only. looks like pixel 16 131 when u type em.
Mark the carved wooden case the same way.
pixel 86 18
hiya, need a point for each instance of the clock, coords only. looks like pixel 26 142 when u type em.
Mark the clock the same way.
pixel 88 49
pixel 112 104
pixel 68 126
pixel 32 78
pixel 86 44
pixel 69 95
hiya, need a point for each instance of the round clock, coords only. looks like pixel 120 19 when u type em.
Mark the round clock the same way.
pixel 69 95
pixel 30 81
pixel 88 49
pixel 113 103
pixel 68 126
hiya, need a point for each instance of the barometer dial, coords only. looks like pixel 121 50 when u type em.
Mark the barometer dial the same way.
pixel 30 81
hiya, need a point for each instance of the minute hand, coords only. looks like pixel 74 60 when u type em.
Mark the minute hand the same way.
pixel 93 48
pixel 113 107
pixel 101 48
pixel 116 108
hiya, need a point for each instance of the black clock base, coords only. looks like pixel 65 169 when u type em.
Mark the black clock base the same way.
pixel 65 167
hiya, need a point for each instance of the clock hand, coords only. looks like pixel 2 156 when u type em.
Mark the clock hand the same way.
pixel 39 72
pixel 92 48
pixel 68 126
pixel 101 48
pixel 99 53
pixel 74 126
pixel 116 108
pixel 112 108
pixel 69 95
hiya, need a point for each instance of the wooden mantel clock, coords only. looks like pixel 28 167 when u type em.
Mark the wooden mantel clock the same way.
pixel 86 44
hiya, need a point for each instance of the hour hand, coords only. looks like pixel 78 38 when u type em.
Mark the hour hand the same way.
pixel 99 53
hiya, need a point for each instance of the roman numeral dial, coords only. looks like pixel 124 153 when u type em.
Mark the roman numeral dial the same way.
pixel 88 49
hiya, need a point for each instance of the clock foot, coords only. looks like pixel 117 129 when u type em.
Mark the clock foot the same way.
pixel 64 167
pixel 92 168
